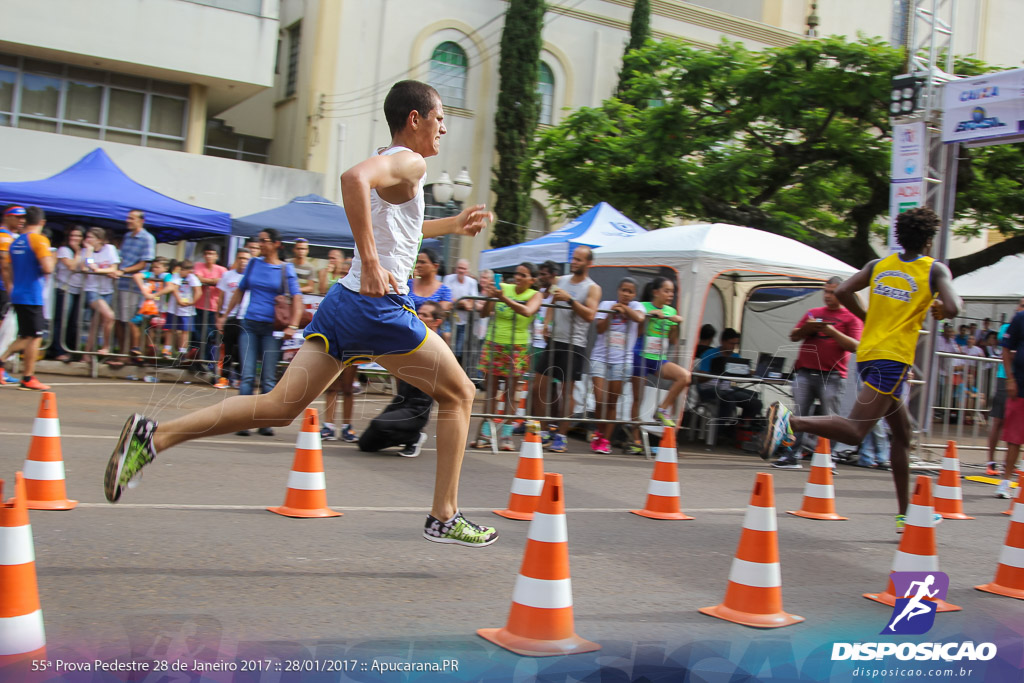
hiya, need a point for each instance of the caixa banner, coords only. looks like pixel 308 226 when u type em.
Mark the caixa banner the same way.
pixel 986 107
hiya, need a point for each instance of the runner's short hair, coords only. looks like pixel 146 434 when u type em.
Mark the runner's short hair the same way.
pixel 915 227
pixel 406 97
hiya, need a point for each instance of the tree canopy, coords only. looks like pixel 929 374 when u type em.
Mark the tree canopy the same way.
pixel 793 140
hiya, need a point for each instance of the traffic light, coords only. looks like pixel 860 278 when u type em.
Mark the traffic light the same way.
pixel 905 95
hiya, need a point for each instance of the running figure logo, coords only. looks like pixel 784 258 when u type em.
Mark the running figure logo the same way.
pixel 914 613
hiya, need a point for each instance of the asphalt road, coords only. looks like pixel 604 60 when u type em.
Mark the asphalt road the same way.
pixel 190 562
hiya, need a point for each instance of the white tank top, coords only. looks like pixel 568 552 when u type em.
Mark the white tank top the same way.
pixel 397 230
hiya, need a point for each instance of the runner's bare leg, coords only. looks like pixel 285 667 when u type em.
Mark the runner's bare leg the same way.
pixel 434 369
pixel 310 372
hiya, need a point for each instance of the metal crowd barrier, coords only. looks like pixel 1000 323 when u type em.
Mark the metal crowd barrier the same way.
pixel 583 393
pixel 966 387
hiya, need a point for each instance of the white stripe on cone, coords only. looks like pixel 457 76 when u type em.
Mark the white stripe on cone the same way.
pixel 22 634
pixel 308 441
pixel 1012 557
pixel 1018 513
pixel 16 545
pixel 819 490
pixel 531 450
pixel 920 515
pixel 46 426
pixel 548 528
pixel 668 489
pixel 527 487
pixel 667 455
pixel 906 562
pixel 760 519
pixel 43 470
pixel 951 464
pixel 949 492
pixel 756 574
pixel 307 481
pixel 542 593
pixel 821 460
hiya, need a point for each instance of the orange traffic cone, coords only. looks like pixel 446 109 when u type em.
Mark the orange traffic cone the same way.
pixel 663 489
pixel 529 479
pixel 754 594
pixel 819 493
pixel 1009 579
pixel 44 467
pixel 917 547
pixel 21 619
pixel 949 498
pixel 541 623
pixel 307 486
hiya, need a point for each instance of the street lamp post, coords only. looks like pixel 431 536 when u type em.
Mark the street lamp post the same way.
pixel 446 199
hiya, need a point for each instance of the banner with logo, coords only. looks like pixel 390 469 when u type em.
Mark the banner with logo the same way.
pixel 986 107
pixel 908 169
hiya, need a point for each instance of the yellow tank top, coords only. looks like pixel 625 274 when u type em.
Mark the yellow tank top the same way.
pixel 900 296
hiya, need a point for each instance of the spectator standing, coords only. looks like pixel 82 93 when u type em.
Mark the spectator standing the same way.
pixel 10 228
pixel 986 329
pixel 70 279
pixel 961 337
pixel 569 326
pixel 425 285
pixel 506 351
pixel 461 284
pixel 874 450
pixel 184 287
pixel 253 247
pixel 997 410
pixel 618 323
pixel 264 279
pixel 208 303
pixel 337 268
pixel 827 336
pixel 546 274
pixel 229 322
pixel 30 261
pixel 101 259
pixel 1013 422
pixel 305 271
pixel 138 248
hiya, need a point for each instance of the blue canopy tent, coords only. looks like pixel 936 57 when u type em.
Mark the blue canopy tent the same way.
pixel 600 226
pixel 318 220
pixel 94 191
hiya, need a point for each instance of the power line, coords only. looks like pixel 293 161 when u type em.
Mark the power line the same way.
pixel 357 106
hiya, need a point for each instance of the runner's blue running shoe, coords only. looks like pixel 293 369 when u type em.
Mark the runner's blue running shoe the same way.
pixel 134 451
pixel 778 433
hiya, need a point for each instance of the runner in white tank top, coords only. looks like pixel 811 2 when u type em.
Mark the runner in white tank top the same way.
pixel 368 316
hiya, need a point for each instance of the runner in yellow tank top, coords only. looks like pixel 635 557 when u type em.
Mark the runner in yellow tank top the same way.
pixel 903 288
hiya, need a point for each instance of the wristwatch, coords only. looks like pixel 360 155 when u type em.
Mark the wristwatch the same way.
pixel 293 327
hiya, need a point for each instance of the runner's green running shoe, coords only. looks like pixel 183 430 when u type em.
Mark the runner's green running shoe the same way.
pixel 134 451
pixel 460 531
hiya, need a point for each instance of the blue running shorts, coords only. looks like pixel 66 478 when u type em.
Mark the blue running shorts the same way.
pixel 355 327
pixel 884 376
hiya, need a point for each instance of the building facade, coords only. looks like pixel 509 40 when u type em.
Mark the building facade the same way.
pixel 240 105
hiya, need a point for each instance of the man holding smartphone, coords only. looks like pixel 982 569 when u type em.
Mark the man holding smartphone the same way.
pixel 828 334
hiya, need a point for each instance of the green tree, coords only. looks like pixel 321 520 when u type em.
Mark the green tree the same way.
pixel 794 140
pixel 516 118
pixel 639 33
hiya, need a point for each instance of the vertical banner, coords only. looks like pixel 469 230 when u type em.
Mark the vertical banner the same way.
pixel 909 167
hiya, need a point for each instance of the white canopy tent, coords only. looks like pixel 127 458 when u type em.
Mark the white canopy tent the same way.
pixel 712 259
pixel 993 291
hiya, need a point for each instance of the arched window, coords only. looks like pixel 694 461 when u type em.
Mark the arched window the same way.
pixel 448 67
pixel 546 91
